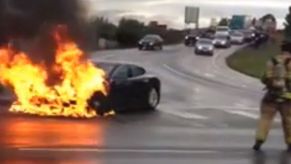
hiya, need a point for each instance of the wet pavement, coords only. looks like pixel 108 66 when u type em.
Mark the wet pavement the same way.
pixel 201 119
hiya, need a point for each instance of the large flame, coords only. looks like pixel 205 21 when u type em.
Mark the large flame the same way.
pixel 79 80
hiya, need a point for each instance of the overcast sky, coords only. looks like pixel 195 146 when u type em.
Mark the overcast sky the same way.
pixel 171 12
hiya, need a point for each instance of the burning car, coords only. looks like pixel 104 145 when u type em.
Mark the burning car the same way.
pixel 61 88
pixel 130 87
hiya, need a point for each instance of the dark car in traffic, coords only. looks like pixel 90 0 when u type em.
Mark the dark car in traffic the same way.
pixel 151 42
pixel 130 88
pixel 190 40
pixel 249 36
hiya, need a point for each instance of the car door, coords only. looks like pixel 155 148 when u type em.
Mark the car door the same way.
pixel 139 86
pixel 121 91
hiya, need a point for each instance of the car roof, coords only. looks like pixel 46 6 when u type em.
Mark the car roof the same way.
pixel 116 64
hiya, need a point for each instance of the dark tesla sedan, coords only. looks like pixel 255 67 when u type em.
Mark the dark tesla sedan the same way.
pixel 130 88
pixel 151 42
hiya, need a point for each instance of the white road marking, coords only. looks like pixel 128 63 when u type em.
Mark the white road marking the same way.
pixel 245 114
pixel 148 151
pixel 249 115
pixel 185 115
pixel 227 108
pixel 197 90
pixel 209 75
pixel 240 105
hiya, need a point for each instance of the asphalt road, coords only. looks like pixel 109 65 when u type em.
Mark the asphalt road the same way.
pixel 207 115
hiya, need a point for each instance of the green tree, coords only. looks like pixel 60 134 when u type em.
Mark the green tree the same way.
pixel 287 30
pixel 105 29
pixel 129 31
pixel 223 22
pixel 267 17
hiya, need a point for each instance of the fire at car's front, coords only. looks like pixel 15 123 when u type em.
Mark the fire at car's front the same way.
pixel 78 80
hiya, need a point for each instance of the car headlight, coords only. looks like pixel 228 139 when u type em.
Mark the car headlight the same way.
pixel 223 42
pixel 200 47
pixel 186 37
pixel 151 43
pixel 140 42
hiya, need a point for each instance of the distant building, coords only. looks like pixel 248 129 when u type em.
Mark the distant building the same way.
pixel 159 27
pixel 153 24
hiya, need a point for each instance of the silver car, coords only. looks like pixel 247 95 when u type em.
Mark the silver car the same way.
pixel 204 46
pixel 222 41
pixel 237 38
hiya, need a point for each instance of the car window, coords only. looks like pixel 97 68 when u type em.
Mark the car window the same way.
pixel 108 68
pixel 137 71
pixel 122 72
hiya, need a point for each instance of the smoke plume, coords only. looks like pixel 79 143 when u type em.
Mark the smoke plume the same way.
pixel 28 24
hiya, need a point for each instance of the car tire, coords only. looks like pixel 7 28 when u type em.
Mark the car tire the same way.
pixel 99 102
pixel 153 98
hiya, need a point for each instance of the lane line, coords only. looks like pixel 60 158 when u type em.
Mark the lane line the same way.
pixel 185 115
pixel 226 108
pixel 95 150
pixel 250 115
pixel 245 114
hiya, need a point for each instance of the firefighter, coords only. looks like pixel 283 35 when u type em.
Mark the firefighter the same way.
pixel 278 97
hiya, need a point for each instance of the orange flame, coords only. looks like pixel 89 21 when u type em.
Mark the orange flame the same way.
pixel 80 79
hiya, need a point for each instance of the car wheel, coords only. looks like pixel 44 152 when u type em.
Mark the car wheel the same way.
pixel 153 98
pixel 99 103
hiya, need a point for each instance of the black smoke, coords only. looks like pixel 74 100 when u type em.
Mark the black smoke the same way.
pixel 27 18
pixel 30 24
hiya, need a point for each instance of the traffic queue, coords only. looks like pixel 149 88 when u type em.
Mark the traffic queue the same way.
pixel 205 42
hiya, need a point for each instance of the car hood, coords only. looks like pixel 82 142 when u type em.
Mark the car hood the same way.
pixel 236 37
pixel 208 46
